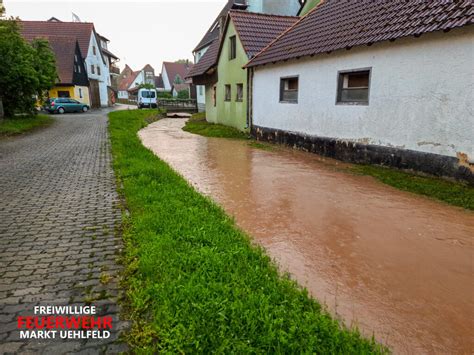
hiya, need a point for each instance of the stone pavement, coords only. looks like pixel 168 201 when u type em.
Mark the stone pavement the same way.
pixel 59 211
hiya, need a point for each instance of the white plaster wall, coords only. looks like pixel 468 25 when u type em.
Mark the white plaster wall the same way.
pixel 166 80
pixel 140 79
pixel 123 94
pixel 421 94
pixel 104 76
pixel 200 89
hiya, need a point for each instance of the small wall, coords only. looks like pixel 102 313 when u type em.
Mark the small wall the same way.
pixel 420 99
pixel 434 164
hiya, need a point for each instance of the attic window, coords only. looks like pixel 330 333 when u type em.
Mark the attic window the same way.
pixel 93 50
pixel 353 87
pixel 289 89
pixel 232 47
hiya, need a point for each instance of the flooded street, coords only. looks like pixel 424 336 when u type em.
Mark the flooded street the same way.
pixel 397 265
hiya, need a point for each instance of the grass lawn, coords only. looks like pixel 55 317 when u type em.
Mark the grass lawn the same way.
pixel 454 193
pixel 19 125
pixel 194 283
pixel 198 125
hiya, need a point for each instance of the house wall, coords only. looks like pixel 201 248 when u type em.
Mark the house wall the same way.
pixel 308 6
pixel 232 113
pixel 81 94
pixel 421 95
pixel 166 80
pixel 200 89
pixel 104 77
pixel 211 110
pixel 123 94
pixel 74 93
pixel 276 7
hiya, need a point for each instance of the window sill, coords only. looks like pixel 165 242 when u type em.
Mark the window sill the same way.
pixel 288 102
pixel 239 100
pixel 352 103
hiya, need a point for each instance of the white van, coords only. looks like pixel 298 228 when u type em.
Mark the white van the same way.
pixel 146 98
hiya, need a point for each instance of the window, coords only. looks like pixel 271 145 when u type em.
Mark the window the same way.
pixel 78 68
pixel 240 92
pixel 228 93
pixel 63 94
pixel 75 58
pixel 80 93
pixel 94 50
pixel 92 69
pixel 232 47
pixel 148 94
pixel 353 87
pixel 289 90
pixel 214 95
pixel 98 70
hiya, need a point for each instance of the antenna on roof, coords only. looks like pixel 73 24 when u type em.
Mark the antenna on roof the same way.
pixel 75 18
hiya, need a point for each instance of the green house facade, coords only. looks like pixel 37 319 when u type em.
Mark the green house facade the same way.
pixel 242 38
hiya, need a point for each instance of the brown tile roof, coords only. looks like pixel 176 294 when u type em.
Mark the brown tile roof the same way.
pixel 174 69
pixel 64 49
pixel 159 82
pixel 80 30
pixel 213 32
pixel 207 61
pixel 257 30
pixel 335 24
pixel 180 87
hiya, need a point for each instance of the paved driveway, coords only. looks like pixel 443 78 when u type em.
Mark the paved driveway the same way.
pixel 58 215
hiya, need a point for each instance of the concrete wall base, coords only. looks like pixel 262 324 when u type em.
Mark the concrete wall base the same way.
pixel 433 164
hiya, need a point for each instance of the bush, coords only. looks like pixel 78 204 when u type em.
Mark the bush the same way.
pixel 26 71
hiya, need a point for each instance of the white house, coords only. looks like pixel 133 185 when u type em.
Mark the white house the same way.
pixel 88 40
pixel 398 94
pixel 130 80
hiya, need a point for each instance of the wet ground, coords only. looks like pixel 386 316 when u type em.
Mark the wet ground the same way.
pixel 395 264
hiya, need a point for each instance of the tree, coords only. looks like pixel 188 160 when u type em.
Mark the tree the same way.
pixel 26 70
pixel 146 86
pixel 183 94
pixel 182 61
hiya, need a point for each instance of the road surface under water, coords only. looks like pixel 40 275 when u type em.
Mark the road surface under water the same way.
pixel 397 265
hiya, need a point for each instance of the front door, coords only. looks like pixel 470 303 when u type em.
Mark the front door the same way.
pixel 95 94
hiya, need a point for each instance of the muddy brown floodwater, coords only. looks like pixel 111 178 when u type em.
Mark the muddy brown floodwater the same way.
pixel 395 264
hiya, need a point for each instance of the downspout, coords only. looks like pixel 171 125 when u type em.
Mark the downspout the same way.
pixel 249 99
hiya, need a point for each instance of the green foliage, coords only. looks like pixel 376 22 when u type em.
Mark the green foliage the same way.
pixel 208 129
pixel 146 86
pixel 178 79
pixel 182 61
pixel 164 95
pixel 194 281
pixel 25 71
pixel 183 94
pixel 454 193
pixel 19 125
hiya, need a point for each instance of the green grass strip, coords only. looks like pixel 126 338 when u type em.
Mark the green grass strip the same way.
pixel 194 283
pixel 207 129
pixel 454 193
pixel 20 125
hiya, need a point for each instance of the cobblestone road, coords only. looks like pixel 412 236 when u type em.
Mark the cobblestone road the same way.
pixel 58 216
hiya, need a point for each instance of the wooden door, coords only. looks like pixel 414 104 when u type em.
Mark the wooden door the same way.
pixel 94 92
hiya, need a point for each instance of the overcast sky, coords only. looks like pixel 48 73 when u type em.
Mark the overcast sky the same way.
pixel 140 32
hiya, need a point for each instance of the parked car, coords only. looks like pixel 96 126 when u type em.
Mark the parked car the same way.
pixel 62 105
pixel 146 98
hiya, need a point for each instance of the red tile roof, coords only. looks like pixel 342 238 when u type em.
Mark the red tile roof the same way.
pixel 255 31
pixel 335 24
pixel 174 69
pixel 127 81
pixel 80 30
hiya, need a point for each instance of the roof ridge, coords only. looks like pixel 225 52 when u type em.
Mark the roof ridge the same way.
pixel 284 32
pixel 261 14
pixel 55 22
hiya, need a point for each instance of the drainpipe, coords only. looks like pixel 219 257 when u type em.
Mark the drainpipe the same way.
pixel 249 98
